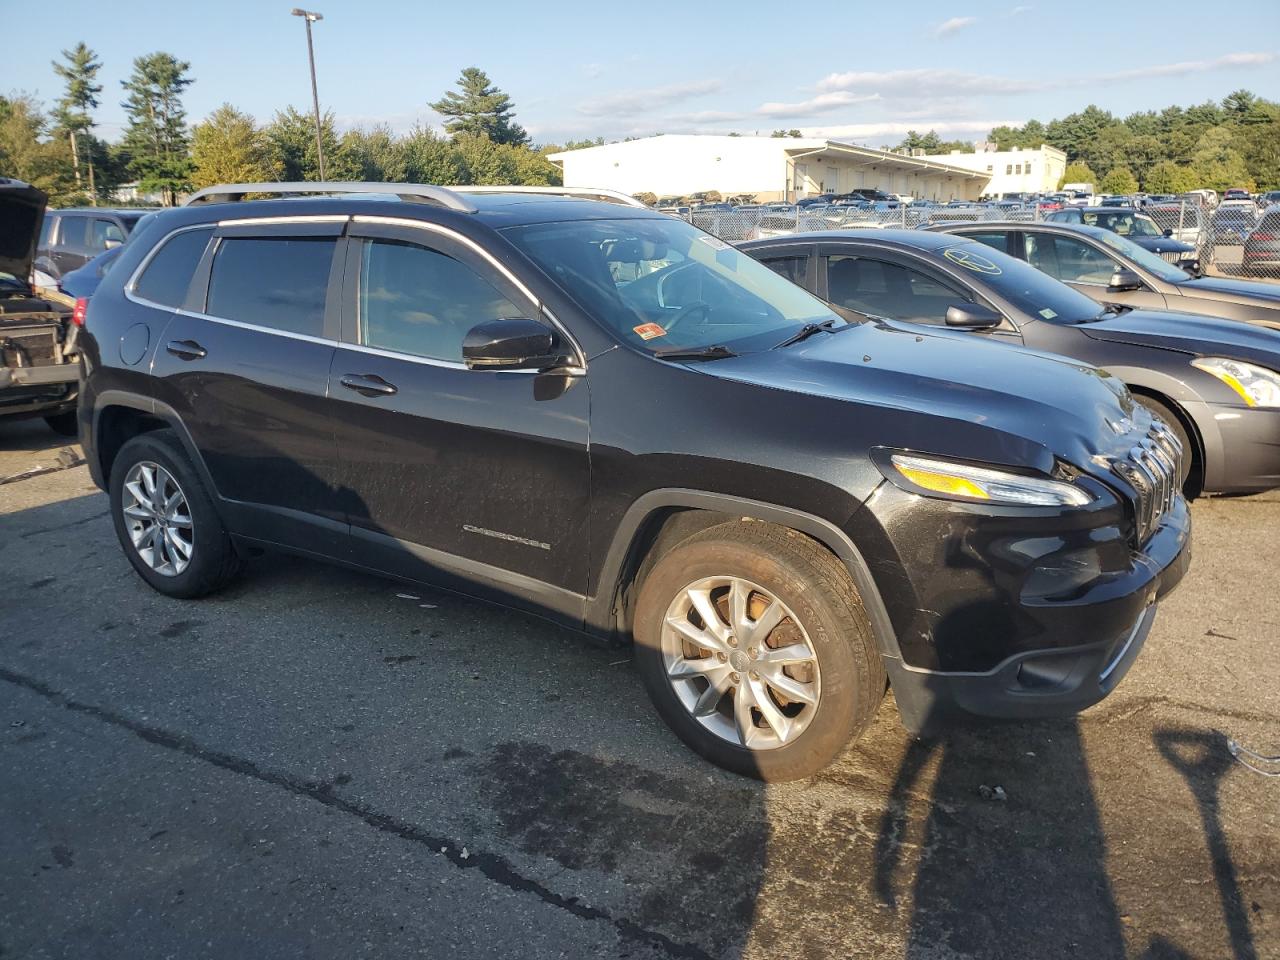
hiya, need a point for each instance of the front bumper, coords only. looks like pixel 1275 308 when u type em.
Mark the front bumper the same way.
pixel 996 642
pixel 1242 446
pixel 44 390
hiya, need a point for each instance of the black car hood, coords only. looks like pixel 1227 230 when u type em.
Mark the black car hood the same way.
pixel 21 213
pixel 1163 245
pixel 1191 334
pixel 1053 405
pixel 1229 288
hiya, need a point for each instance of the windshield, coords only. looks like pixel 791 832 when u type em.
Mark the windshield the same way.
pixel 1034 293
pixel 1151 262
pixel 1127 224
pixel 663 284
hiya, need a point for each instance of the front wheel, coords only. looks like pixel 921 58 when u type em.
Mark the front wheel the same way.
pixel 165 520
pixel 753 644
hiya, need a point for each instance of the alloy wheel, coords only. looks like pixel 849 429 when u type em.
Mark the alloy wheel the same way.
pixel 158 518
pixel 740 662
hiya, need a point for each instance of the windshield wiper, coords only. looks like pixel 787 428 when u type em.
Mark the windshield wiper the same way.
pixel 807 331
pixel 715 352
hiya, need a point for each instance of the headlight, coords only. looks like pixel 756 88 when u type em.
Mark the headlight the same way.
pixel 963 482
pixel 1257 386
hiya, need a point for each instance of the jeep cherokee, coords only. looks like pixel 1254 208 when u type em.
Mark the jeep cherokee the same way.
pixel 605 416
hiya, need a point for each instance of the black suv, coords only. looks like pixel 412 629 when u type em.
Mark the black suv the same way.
pixel 605 416
pixel 71 238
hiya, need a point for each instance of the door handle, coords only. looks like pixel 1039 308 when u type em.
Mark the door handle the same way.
pixel 186 349
pixel 368 384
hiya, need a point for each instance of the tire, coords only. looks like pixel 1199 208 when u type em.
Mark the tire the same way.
pixel 820 611
pixel 64 424
pixel 212 561
pixel 1190 456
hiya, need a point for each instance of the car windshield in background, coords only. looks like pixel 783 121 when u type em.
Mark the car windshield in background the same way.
pixel 1151 262
pixel 663 284
pixel 1125 224
pixel 1034 293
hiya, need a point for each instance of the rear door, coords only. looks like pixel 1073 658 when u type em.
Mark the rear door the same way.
pixel 70 244
pixel 477 479
pixel 246 366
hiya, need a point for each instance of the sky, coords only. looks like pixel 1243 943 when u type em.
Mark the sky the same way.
pixel 865 72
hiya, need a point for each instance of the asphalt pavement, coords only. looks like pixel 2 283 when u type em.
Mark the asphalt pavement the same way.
pixel 321 764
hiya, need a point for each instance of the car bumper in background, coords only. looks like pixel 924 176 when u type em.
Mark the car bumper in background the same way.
pixel 1244 455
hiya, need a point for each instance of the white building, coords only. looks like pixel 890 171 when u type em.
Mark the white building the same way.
pixel 768 168
pixel 1024 170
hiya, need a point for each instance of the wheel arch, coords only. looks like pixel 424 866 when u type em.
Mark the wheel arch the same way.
pixel 660 519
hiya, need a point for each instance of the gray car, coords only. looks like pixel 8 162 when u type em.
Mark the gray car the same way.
pixel 1215 382
pixel 1114 271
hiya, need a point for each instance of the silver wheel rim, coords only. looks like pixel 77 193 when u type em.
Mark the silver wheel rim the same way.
pixel 740 662
pixel 157 518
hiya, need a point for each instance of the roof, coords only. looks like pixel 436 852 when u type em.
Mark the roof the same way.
pixel 794 146
pixel 1024 225
pixel 915 239
pixel 114 211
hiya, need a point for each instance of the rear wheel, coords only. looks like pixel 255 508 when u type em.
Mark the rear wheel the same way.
pixel 1174 422
pixel 753 644
pixel 165 520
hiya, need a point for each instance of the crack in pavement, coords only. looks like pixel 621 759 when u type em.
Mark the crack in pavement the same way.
pixel 494 867
pixel 63 526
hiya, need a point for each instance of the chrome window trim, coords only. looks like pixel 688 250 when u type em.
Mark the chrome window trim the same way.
pixel 308 338
pixel 274 221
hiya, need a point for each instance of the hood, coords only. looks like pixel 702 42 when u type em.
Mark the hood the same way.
pixel 1049 405
pixel 1191 334
pixel 1236 291
pixel 21 214
pixel 1163 245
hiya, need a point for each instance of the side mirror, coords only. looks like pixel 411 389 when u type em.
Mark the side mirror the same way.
pixel 1124 279
pixel 972 316
pixel 112 244
pixel 510 345
pixel 1192 266
pixel 1168 231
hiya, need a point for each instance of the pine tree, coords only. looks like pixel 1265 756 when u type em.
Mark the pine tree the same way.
pixel 72 112
pixel 228 147
pixel 156 138
pixel 481 109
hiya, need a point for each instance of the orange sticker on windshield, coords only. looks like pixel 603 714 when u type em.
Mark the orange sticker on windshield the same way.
pixel 647 331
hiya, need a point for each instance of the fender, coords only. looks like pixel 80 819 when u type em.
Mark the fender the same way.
pixel 160 411
pixel 1204 433
pixel 600 607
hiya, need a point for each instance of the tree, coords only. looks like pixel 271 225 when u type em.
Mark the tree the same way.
pixel 374 155
pixel 1217 165
pixel 72 112
pixel 156 137
pixel 1119 180
pixel 481 109
pixel 483 160
pixel 1165 176
pixel 793 133
pixel 26 155
pixel 1239 102
pixel 291 140
pixel 228 147
pixel 431 159
pixel 647 198
pixel 1078 173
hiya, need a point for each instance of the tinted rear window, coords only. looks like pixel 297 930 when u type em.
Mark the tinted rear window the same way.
pixel 167 276
pixel 276 283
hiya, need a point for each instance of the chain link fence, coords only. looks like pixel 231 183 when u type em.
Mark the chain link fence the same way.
pixel 1233 238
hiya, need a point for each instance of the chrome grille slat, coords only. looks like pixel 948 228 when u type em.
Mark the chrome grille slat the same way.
pixel 1152 469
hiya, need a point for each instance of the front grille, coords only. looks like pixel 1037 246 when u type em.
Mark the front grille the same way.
pixel 1173 256
pixel 1152 470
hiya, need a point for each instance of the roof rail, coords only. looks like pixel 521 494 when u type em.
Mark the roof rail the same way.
pixel 418 192
pixel 582 193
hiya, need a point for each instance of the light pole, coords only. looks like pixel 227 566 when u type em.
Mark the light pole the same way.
pixel 310 16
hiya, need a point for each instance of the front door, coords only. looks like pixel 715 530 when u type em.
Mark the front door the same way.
pixel 246 366
pixel 455 476
pixel 1086 267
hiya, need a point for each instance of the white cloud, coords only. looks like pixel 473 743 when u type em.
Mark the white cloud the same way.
pixel 645 100
pixel 955 24
pixel 592 70
pixel 878 132
pixel 926 81
pixel 1020 10
pixel 1185 67
pixel 822 103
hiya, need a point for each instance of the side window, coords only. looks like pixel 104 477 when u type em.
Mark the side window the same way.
pixel 795 269
pixel 46 231
pixel 996 239
pixel 71 233
pixel 1071 260
pixel 101 231
pixel 422 302
pixel 889 290
pixel 168 273
pixel 272 282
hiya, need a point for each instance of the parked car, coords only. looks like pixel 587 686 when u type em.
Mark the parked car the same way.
pixel 1231 224
pixel 39 359
pixel 1262 246
pixel 781 505
pixel 83 281
pixel 1142 230
pixel 1116 202
pixel 1184 220
pixel 1115 271
pixel 1270 198
pixel 1236 193
pixel 71 238
pixel 1214 382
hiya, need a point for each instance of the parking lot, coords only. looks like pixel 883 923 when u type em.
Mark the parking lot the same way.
pixel 321 764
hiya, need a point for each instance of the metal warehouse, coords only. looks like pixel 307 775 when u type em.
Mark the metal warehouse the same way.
pixel 770 168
